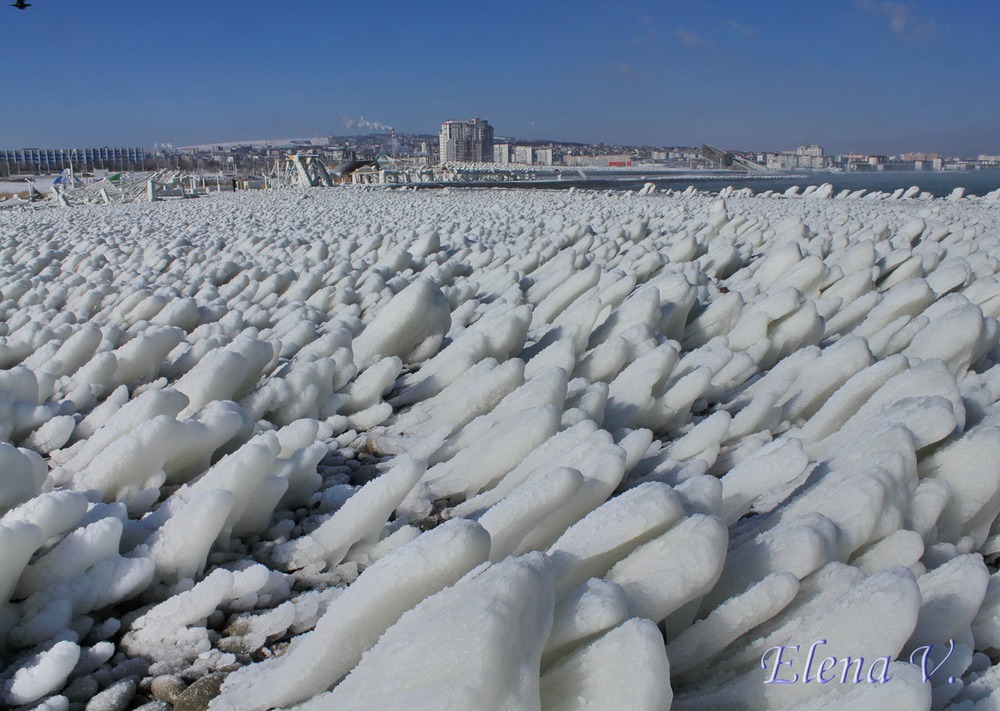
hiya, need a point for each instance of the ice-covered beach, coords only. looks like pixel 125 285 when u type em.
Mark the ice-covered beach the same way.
pixel 500 449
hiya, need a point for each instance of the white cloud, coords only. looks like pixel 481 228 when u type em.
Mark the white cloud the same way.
pixel 647 34
pixel 900 18
pixel 623 70
pixel 742 29
pixel 692 39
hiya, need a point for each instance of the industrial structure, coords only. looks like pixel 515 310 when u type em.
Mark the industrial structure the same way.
pixel 131 187
pixel 729 161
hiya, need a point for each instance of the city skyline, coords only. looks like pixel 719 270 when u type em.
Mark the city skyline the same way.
pixel 873 76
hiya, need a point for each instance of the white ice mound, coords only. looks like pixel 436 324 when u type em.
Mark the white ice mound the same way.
pixel 625 668
pixel 358 522
pixel 673 569
pixel 358 617
pixel 410 326
pixel 42 674
pixel 476 644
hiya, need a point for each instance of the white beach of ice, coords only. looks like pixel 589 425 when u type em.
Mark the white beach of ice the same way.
pixel 501 449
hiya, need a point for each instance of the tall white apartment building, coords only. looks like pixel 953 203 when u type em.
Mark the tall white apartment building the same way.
pixel 543 156
pixel 466 141
pixel 524 155
pixel 502 153
pixel 810 157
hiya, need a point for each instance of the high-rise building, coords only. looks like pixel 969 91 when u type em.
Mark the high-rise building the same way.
pixel 466 141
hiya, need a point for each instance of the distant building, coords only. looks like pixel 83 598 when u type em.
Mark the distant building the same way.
pixel 501 153
pixel 524 155
pixel 543 156
pixel 810 157
pixel 602 161
pixel 803 157
pixel 466 141
pixel 45 160
pixel 339 154
pixel 782 160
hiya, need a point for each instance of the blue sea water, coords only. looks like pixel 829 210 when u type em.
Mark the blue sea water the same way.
pixel 937 183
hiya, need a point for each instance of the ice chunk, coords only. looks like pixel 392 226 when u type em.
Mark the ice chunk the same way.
pixel 799 546
pixel 18 541
pixel 849 398
pixel 241 474
pixel 358 522
pixel 548 388
pixel 771 466
pixel 908 298
pixel 105 583
pixel 42 674
pixel 632 393
pixel 563 295
pixel 611 531
pixel 954 338
pixel 583 613
pixel 602 465
pixel 952 595
pixel 563 448
pixel 673 569
pixel 906 690
pixel 901 547
pixel 625 668
pixel 139 360
pixel 358 617
pixel 20 476
pixel 476 644
pixel 130 416
pixel 513 517
pixel 509 441
pixel 54 512
pixel 369 388
pixel 968 466
pixel 871 621
pixel 410 326
pixel 704 437
pixel 926 505
pixel 813 387
pixel 704 639
pixel 168 630
pixel 181 546
pixel 701 493
pixel 72 555
pixel 986 624
pixel 51 435
pixel 928 419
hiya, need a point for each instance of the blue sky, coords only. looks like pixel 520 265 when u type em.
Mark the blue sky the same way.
pixel 868 75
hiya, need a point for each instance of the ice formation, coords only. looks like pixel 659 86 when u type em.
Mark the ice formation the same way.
pixel 501 449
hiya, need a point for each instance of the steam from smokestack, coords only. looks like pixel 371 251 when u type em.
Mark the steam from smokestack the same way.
pixel 395 146
pixel 362 122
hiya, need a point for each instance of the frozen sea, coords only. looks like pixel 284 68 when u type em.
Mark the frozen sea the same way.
pixel 501 449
